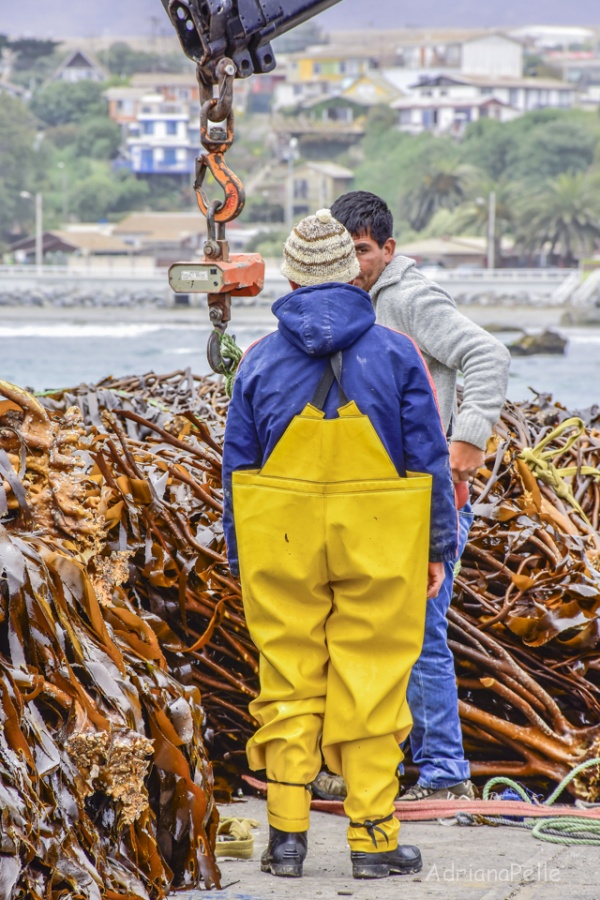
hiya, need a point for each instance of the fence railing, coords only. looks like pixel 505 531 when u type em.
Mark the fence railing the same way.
pixel 56 273
pixel 131 271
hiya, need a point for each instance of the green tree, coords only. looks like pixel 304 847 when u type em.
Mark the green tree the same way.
pixel 29 51
pixel 104 193
pixel 392 161
pixel 444 187
pixel 34 60
pixel 536 146
pixel 62 103
pixel 19 166
pixel 490 145
pixel 473 216
pixel 564 215
pixel 122 60
pixel 98 138
pixel 564 144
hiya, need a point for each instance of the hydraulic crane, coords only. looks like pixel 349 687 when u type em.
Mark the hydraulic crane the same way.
pixel 226 39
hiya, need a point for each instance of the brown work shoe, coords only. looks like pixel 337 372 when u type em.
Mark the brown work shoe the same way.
pixel 329 787
pixel 464 790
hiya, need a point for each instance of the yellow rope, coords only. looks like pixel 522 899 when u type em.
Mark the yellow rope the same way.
pixel 540 462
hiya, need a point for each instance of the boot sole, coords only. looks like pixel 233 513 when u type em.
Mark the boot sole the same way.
pixel 383 871
pixel 283 870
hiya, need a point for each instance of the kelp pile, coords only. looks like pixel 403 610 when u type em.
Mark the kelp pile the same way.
pixel 106 788
pixel 124 653
pixel 524 625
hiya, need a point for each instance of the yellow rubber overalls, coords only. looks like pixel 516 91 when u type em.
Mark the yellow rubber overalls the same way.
pixel 333 549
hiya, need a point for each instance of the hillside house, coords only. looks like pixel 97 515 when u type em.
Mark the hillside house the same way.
pixel 175 87
pixel 493 55
pixel 163 140
pixel 449 102
pixel 353 100
pixel 326 62
pixel 449 116
pixel 167 237
pixel 317 139
pixel 79 66
pixel 317 184
pixel 91 246
pixel 124 104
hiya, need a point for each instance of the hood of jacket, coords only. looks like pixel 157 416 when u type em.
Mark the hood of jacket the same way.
pixel 324 318
pixel 392 274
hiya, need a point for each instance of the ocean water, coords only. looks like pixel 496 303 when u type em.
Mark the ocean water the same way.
pixel 43 351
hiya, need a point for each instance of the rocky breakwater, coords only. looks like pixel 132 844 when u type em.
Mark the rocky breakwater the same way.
pixel 82 295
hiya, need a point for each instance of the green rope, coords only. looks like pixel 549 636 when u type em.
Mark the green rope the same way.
pixel 558 829
pixel 230 351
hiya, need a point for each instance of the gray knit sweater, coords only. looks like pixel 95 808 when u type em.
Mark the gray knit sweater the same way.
pixel 404 299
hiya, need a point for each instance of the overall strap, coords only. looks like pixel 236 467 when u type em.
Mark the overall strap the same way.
pixel 333 372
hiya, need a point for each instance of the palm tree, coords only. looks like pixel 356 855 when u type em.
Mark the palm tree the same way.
pixel 443 188
pixel 564 215
pixel 473 216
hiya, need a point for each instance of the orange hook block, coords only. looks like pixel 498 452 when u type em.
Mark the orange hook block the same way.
pixel 235 196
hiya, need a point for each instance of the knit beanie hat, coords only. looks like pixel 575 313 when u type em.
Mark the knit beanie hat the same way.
pixel 319 250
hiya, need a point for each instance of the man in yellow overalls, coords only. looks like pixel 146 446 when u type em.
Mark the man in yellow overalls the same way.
pixel 339 514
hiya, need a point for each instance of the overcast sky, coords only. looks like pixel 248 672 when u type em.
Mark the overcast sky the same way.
pixel 68 18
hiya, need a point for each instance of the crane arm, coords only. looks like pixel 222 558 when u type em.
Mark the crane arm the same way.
pixel 241 30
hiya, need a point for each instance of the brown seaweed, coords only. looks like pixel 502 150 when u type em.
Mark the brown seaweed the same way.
pixel 124 650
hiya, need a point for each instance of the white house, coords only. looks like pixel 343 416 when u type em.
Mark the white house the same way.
pixel 79 66
pixel 163 141
pixel 494 55
pixel 449 116
pixel 449 102
pixel 555 37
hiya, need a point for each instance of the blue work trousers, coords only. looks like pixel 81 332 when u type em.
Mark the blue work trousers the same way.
pixel 436 738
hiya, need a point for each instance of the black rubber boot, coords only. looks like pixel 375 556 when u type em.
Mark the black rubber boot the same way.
pixel 285 854
pixel 404 860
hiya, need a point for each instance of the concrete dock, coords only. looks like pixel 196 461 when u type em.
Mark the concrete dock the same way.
pixel 459 863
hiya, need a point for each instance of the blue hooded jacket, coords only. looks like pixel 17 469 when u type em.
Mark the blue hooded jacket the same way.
pixel 382 370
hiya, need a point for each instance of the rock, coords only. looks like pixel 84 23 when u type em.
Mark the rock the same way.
pixel 547 341
pixel 501 327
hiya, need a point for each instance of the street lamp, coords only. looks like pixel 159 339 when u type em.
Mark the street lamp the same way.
pixel 491 227
pixel 491 233
pixel 39 218
pixel 63 184
pixel 292 149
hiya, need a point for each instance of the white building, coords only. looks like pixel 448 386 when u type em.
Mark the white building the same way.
pixel 162 141
pixel 79 66
pixel 448 116
pixel 494 55
pixel 447 103
pixel 554 37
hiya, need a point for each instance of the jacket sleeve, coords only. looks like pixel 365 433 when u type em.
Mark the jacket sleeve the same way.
pixel 431 318
pixel 241 450
pixel 426 450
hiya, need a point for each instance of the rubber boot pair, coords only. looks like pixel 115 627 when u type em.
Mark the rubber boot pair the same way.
pixel 404 860
pixel 286 853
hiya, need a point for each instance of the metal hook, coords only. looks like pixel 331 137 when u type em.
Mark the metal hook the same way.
pixel 235 196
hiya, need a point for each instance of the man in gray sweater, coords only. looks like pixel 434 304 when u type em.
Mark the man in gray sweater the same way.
pixel 404 299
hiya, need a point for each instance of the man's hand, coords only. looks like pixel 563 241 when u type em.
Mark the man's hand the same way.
pixel 435 579
pixel 465 459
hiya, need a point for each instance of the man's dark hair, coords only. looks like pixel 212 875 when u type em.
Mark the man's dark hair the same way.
pixel 364 213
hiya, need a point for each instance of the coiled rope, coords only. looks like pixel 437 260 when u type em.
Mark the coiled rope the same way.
pixel 557 829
